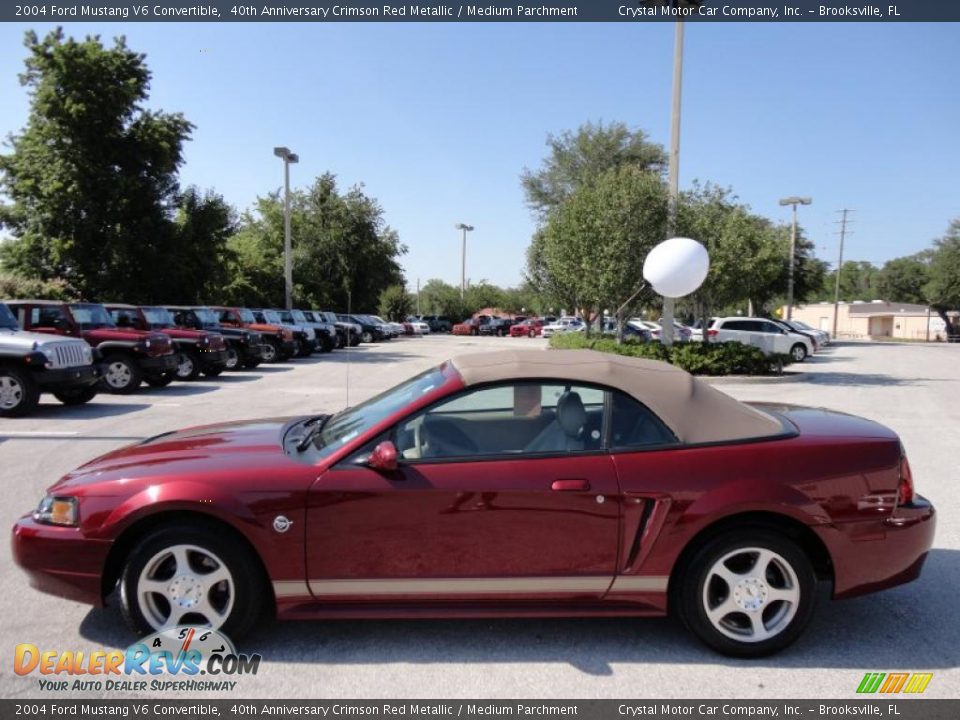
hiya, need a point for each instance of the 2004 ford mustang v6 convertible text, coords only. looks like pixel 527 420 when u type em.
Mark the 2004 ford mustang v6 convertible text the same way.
pixel 530 483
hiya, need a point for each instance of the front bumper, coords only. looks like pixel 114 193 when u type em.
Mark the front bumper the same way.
pixel 60 560
pixel 157 365
pixel 68 378
pixel 212 359
pixel 879 554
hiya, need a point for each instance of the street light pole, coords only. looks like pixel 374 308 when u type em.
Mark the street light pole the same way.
pixel 794 201
pixel 463 258
pixel 666 324
pixel 288 159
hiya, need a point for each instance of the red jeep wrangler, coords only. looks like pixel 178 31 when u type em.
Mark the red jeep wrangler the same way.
pixel 197 350
pixel 129 356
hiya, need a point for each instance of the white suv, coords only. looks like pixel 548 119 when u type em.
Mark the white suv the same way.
pixel 761 333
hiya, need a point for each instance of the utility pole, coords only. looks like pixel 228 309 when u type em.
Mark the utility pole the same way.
pixel 673 173
pixel 836 291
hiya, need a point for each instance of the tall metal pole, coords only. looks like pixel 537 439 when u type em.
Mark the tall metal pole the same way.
pixel 793 260
pixel 463 263
pixel 666 325
pixel 287 249
pixel 836 288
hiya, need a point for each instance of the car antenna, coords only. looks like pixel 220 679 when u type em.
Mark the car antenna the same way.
pixel 348 347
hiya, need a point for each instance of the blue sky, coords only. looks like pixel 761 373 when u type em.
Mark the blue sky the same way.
pixel 439 120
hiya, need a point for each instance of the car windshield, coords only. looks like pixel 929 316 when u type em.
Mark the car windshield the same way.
pixel 331 317
pixel 247 316
pixel 272 316
pixel 352 422
pixel 91 317
pixel 299 317
pixel 158 317
pixel 207 317
pixel 7 320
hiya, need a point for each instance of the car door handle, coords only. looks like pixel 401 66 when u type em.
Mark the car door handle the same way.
pixel 570 485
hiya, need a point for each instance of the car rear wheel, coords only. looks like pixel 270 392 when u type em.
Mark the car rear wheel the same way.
pixel 187 575
pixel 798 352
pixel 76 397
pixel 19 394
pixel 747 593
pixel 121 375
pixel 188 365
pixel 366 337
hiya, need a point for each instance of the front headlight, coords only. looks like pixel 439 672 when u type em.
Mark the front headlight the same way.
pixel 50 355
pixel 88 355
pixel 57 510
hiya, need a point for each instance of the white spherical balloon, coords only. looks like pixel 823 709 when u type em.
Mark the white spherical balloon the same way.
pixel 676 267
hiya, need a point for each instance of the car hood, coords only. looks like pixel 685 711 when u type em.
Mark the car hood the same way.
pixel 222 450
pixel 27 340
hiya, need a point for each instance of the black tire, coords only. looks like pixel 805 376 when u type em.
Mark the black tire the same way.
pixel 19 394
pixel 339 342
pixel 303 350
pixel 270 352
pixel 366 337
pixel 354 340
pixel 251 364
pixel 80 396
pixel 233 361
pixel 798 352
pixel 188 365
pixel 159 381
pixel 241 563
pixel 122 375
pixel 298 349
pixel 213 371
pixel 690 596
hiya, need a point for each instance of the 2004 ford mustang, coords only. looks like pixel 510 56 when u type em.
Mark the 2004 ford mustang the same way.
pixel 528 483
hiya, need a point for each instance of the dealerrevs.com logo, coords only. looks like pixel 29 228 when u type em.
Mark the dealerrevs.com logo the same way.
pixel 895 682
pixel 172 660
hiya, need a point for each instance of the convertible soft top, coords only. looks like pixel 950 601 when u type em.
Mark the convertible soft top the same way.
pixel 695 411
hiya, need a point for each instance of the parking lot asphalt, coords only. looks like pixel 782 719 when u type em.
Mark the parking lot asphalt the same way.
pixel 911 388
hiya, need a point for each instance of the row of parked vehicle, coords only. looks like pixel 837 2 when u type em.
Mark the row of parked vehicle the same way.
pixel 76 349
pixel 787 337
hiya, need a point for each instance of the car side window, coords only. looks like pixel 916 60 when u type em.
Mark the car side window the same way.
pixel 524 418
pixel 734 325
pixel 46 316
pixel 634 426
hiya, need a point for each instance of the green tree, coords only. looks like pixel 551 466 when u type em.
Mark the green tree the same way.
pixel 92 178
pixel 746 252
pixel 576 158
pixel 859 280
pixel 395 303
pixel 943 289
pixel 440 298
pixel 596 240
pixel 341 246
pixel 195 265
pixel 903 279
pixel 482 295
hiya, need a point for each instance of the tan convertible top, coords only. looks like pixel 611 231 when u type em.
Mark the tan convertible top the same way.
pixel 696 412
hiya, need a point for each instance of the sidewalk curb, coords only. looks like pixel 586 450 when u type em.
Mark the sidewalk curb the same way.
pixel 752 379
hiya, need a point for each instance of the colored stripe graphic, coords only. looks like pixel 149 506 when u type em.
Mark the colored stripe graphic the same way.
pixel 918 683
pixel 894 683
pixel 870 682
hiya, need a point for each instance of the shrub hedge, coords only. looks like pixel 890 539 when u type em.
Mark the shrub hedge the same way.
pixel 729 358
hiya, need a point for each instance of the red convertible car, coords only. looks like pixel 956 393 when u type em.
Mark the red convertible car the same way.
pixel 518 483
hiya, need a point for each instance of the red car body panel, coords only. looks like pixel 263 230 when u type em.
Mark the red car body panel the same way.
pixel 525 328
pixel 590 534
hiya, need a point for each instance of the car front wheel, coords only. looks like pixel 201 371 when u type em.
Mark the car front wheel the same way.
pixel 76 397
pixel 121 375
pixel 189 575
pixel 747 593
pixel 798 352
pixel 19 394
pixel 188 365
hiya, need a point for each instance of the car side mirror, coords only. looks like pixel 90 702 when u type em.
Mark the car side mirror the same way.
pixel 383 457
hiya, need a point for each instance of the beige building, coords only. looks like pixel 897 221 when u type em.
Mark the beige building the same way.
pixel 873 320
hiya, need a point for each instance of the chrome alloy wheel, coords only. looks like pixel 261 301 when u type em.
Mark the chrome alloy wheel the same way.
pixel 11 392
pixel 118 375
pixel 233 358
pixel 185 584
pixel 751 594
pixel 185 366
pixel 269 353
